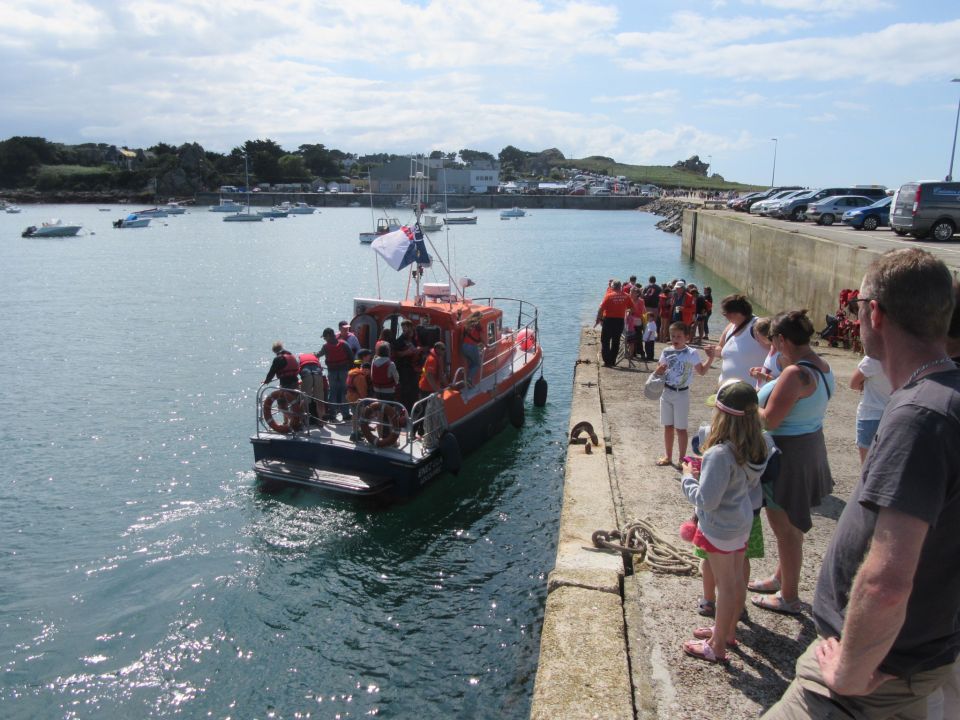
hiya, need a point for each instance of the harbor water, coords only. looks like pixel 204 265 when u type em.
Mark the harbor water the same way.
pixel 143 570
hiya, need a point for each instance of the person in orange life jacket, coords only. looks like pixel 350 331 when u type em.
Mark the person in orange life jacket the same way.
pixel 471 348
pixel 405 351
pixel 384 377
pixel 349 338
pixel 339 361
pixel 433 378
pixel 285 367
pixel 611 313
pixel 358 379
pixel 311 383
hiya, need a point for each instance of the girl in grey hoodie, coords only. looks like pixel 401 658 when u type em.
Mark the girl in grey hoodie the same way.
pixel 723 494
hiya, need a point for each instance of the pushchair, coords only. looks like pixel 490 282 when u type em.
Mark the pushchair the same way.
pixel 843 328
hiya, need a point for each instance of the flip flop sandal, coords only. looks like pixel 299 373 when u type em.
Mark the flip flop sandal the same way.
pixel 766 586
pixel 777 604
pixel 701 650
pixel 707 608
pixel 664 462
pixel 705 633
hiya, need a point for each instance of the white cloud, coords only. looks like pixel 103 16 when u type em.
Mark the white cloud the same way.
pixel 823 118
pixel 837 8
pixel 899 54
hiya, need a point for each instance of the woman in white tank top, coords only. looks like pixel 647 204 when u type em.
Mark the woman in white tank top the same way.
pixel 738 349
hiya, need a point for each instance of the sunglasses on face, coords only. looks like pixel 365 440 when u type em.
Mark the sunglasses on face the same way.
pixel 854 305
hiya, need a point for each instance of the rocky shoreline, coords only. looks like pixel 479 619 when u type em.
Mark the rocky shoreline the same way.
pixel 672 211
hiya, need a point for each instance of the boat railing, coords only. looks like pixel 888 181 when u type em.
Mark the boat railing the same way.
pixel 526 337
pixel 386 423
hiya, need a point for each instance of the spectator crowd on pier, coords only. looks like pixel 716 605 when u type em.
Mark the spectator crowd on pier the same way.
pixel 887 600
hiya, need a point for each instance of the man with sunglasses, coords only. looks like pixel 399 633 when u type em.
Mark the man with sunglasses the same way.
pixel 888 598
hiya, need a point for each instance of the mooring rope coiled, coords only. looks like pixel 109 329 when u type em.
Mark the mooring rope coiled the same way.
pixel 641 538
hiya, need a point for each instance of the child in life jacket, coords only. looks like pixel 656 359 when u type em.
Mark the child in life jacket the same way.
pixel 358 379
pixel 724 492
pixel 384 376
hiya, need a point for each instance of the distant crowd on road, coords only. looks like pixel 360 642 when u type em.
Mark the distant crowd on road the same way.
pixel 887 600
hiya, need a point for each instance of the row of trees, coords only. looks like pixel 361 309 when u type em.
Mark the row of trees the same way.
pixel 34 162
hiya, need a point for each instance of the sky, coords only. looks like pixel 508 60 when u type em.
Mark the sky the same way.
pixel 854 91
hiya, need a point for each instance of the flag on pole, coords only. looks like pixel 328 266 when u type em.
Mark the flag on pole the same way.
pixel 402 247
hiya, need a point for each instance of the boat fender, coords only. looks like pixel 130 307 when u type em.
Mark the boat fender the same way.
pixel 540 392
pixel 450 452
pixel 291 415
pixel 516 411
pixel 380 424
pixel 526 339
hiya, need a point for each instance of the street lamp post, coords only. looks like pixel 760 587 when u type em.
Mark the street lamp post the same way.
pixel 953 150
pixel 773 175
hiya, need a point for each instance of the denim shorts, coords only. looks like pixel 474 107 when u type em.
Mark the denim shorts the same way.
pixel 866 429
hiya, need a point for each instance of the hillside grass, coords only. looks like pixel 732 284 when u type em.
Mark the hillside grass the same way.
pixel 660 175
pixel 46 171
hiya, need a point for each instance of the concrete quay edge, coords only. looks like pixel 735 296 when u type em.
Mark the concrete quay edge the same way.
pixel 584 671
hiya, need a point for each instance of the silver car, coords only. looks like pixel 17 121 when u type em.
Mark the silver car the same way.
pixel 831 209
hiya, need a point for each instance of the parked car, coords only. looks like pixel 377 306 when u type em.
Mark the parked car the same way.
pixel 870 217
pixel 796 208
pixel 764 207
pixel 750 202
pixel 927 209
pixel 826 211
pixel 734 203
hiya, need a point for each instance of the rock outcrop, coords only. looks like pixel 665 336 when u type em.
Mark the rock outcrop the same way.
pixel 672 212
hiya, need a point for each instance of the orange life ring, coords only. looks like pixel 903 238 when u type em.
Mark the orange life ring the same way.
pixel 292 419
pixel 380 424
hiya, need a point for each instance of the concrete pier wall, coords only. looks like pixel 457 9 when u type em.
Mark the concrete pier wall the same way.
pixel 780 268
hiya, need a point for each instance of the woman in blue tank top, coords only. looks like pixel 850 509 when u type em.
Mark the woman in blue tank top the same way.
pixel 792 408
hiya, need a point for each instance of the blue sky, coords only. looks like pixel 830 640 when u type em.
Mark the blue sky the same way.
pixel 855 91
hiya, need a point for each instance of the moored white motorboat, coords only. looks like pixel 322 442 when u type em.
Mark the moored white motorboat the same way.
pixel 430 223
pixel 462 210
pixel 297 208
pixel 174 208
pixel 51 228
pixel 273 212
pixel 384 225
pixel 226 206
pixel 388 449
pixel 152 213
pixel 461 220
pixel 132 221
pixel 12 209
pixel 513 212
pixel 244 215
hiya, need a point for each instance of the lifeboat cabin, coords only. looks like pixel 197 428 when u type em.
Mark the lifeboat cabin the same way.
pixel 392 449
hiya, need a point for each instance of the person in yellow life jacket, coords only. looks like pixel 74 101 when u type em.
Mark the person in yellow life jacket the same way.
pixel 358 378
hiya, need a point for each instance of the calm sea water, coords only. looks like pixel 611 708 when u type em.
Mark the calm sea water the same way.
pixel 143 572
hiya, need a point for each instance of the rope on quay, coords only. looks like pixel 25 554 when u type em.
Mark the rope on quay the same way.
pixel 641 538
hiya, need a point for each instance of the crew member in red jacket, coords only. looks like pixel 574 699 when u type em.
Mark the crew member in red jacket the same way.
pixel 612 311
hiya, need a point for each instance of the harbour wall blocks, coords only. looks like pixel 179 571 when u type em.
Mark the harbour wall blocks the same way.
pixel 778 268
pixel 481 202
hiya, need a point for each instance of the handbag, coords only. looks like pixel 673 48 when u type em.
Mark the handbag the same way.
pixel 653 387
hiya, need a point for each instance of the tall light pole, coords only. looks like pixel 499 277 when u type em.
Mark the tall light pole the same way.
pixel 773 175
pixel 953 150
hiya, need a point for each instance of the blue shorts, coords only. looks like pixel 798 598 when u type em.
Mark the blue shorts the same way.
pixel 866 429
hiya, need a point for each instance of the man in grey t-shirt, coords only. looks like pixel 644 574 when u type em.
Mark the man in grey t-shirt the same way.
pixel 888 598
